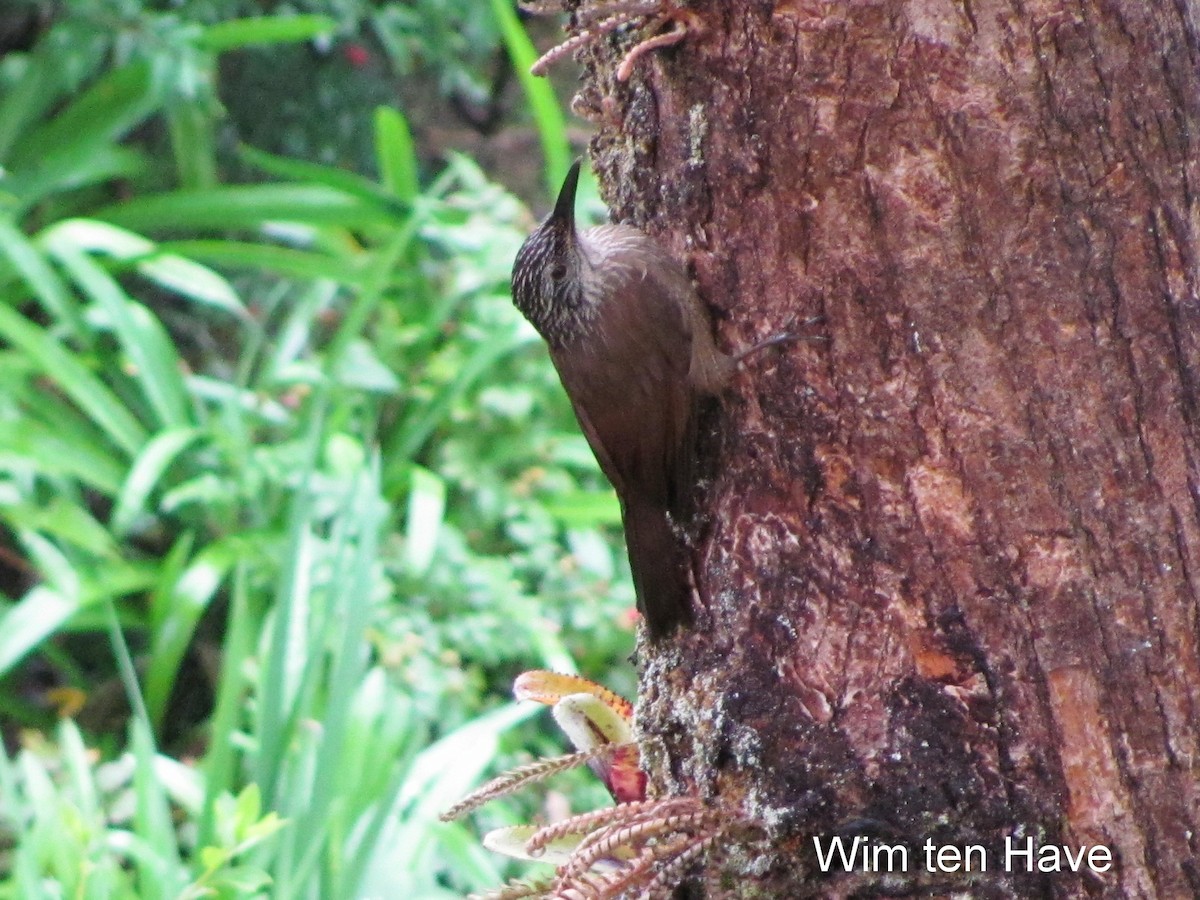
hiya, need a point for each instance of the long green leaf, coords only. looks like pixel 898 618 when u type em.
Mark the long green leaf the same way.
pixel 56 441
pixel 34 93
pixel 396 154
pixel 171 271
pixel 190 125
pixel 105 112
pixel 426 510
pixel 264 30
pixel 160 873
pixel 220 761
pixel 178 608
pixel 85 389
pixel 248 207
pixel 444 772
pixel 285 655
pixel 45 283
pixel 24 626
pixel 286 261
pixel 78 767
pixel 75 166
pixel 357 558
pixel 547 115
pixel 146 473
pixel 143 339
pixel 304 172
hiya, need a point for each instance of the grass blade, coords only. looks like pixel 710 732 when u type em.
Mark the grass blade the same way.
pixel 88 392
pixel 35 92
pixel 177 606
pixel 304 172
pixel 396 154
pixel 264 30
pixel 547 115
pixel 45 283
pixel 286 261
pixel 146 473
pixel 104 113
pixel 190 127
pixel 220 761
pixel 143 339
pixel 26 624
pixel 249 207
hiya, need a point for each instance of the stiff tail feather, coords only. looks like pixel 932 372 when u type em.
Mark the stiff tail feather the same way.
pixel 660 562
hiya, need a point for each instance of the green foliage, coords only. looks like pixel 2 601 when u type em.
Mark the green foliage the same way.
pixel 547 115
pixel 292 427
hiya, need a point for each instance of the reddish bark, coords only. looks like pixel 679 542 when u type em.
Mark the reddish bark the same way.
pixel 951 561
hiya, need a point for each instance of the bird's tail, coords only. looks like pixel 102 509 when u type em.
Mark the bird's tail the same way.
pixel 660 564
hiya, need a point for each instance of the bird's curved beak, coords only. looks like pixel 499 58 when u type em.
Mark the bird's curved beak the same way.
pixel 564 206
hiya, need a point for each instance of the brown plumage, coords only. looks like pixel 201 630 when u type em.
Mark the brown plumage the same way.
pixel 634 349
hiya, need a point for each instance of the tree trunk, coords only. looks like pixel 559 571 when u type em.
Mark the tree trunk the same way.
pixel 949 567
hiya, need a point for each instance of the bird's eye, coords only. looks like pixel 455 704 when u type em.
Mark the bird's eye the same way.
pixel 558 272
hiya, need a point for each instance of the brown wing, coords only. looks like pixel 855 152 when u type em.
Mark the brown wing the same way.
pixel 628 383
pixel 633 378
pixel 628 374
pixel 635 409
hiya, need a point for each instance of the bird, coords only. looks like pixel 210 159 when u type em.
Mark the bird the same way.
pixel 633 346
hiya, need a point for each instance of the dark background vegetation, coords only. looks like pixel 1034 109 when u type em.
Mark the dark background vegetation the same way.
pixel 289 493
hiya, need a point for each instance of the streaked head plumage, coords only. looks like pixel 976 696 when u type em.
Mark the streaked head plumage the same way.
pixel 547 276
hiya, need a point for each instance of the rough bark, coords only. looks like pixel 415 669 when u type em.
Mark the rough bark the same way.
pixel 950 562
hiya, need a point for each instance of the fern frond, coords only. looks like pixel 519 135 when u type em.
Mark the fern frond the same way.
pixel 588 822
pixel 605 843
pixel 518 890
pixel 515 779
